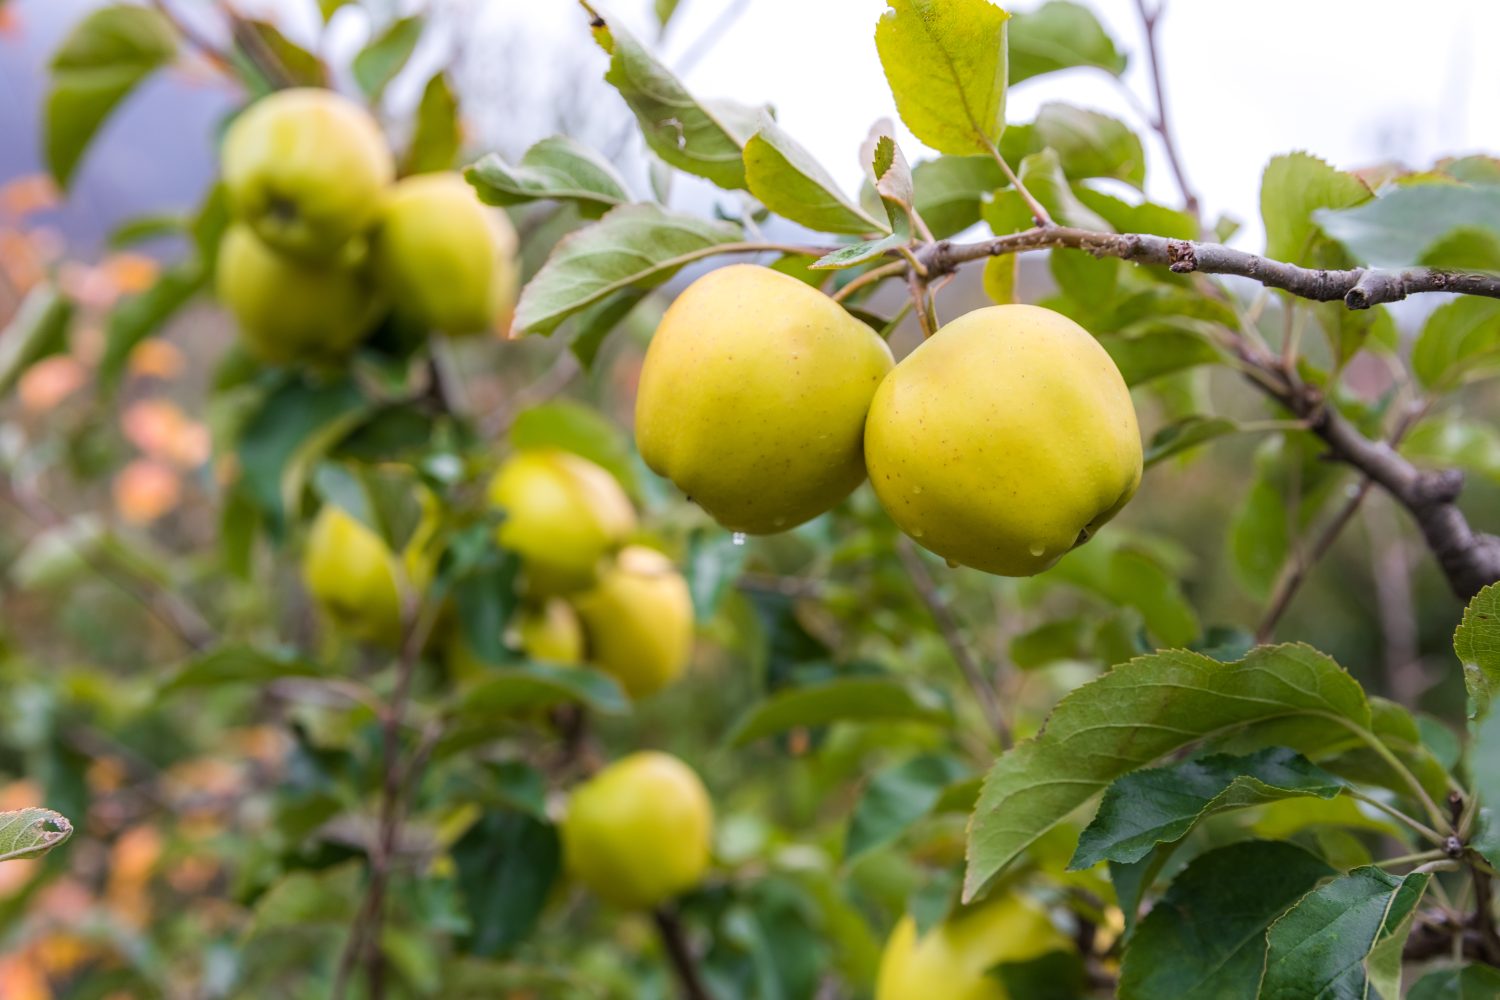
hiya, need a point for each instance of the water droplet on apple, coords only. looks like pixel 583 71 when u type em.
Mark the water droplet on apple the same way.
pixel 778 522
pixel 1038 549
pixel 917 532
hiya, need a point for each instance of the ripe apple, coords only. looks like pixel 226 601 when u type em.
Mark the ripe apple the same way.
pixel 1005 440
pixel 637 833
pixel 447 260
pixel 306 169
pixel 753 398
pixel 563 514
pixel 638 621
pixel 290 310
pixel 550 631
pixel 352 574
pixel 955 959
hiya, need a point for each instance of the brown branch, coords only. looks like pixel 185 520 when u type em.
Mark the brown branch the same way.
pixel 194 37
pixel 681 956
pixel 942 615
pixel 1358 288
pixel 1159 122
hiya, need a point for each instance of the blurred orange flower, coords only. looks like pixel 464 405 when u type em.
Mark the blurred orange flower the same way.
pixel 131 272
pixel 157 358
pixel 49 382
pixel 28 193
pixel 145 490
pixel 161 430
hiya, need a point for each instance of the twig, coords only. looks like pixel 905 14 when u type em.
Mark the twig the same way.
pixel 194 37
pixel 1038 211
pixel 1160 123
pixel 874 274
pixel 1301 560
pixel 1391 811
pixel 705 42
pixel 683 963
pixel 1484 915
pixel 942 615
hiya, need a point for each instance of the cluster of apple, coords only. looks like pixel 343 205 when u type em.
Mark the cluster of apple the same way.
pixel 1002 442
pixel 325 243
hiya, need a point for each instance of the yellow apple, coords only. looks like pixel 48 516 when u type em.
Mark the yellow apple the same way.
pixel 289 310
pixel 953 960
pixel 306 169
pixel 550 631
pixel 563 514
pixel 447 260
pixel 352 574
pixel 637 833
pixel 1005 440
pixel 753 398
pixel 638 621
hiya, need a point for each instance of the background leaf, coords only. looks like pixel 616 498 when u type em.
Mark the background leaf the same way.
pixel 1477 643
pixel 789 182
pixel 378 63
pixel 30 833
pixel 849 698
pixel 1060 35
pixel 557 168
pixel 896 798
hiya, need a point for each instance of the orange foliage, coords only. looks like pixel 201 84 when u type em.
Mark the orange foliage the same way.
pixel 50 381
pixel 145 490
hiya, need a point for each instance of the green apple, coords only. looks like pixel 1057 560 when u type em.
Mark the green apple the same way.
pixel 638 621
pixel 637 833
pixel 447 260
pixel 955 960
pixel 753 398
pixel 1005 440
pixel 352 574
pixel 306 169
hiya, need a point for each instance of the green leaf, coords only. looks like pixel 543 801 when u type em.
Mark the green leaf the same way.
pixel 577 428
pixel 705 138
pixel 30 833
pixel 632 246
pixel 1403 225
pixel 664 11
pixel 292 429
pixel 436 138
pixel 1060 35
pixel 1141 217
pixel 302 67
pixel 945 63
pixel 893 185
pixel 949 189
pixel 714 563
pixel 1286 695
pixel 1205 939
pixel 237 664
pixel 896 798
pixel 1181 435
pixel 1057 975
pixel 1460 339
pixel 507 863
pixel 1484 771
pixel 39 328
pixel 557 168
pixel 598 321
pixel 1477 643
pixel 1395 728
pixel 520 688
pixel 839 700
pixel 1293 188
pixel 1161 804
pixel 789 182
pixel 1472 982
pixel 1064 639
pixel 1089 144
pixel 1043 176
pixel 1000 277
pixel 1173 345
pixel 108 52
pixel 1130 577
pixel 1343 939
pixel 378 63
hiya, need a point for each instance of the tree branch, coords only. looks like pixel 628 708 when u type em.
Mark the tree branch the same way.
pixel 1358 288
pixel 681 956
pixel 1159 122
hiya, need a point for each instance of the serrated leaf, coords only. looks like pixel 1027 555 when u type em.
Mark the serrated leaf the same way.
pixel 945 63
pixel 1205 939
pixel 237 664
pixel 1477 644
pixel 893 186
pixel 1161 804
pixel 1189 432
pixel 1286 695
pixel 1060 35
pixel 378 63
pixel 557 168
pixel 1460 339
pixel 39 328
pixel 1403 225
pixel 842 699
pixel 436 135
pixel 705 138
pixel 1343 939
pixel 896 798
pixel 788 181
pixel 30 833
pixel 1293 188
pixel 103 58
pixel 633 246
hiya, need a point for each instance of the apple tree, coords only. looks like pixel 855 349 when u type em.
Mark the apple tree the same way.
pixel 905 592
